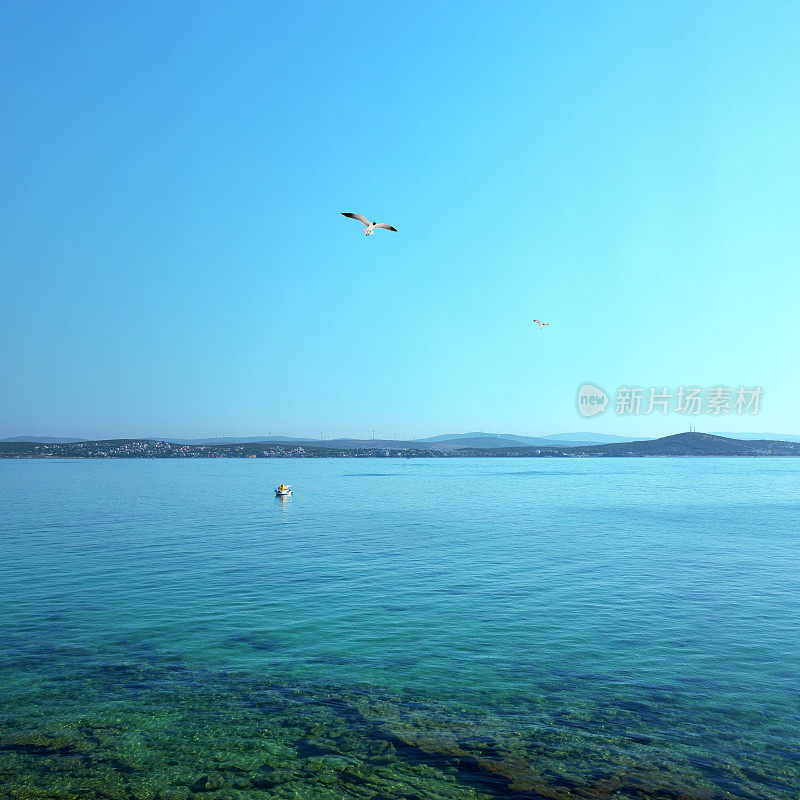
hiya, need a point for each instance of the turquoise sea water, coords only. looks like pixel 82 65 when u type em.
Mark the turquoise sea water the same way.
pixel 465 628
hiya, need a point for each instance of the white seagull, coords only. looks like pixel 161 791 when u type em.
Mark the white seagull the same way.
pixel 370 226
pixel 540 323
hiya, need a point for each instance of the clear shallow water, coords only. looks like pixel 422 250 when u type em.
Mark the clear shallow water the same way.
pixel 471 628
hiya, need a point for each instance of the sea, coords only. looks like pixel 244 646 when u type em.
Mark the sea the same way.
pixel 465 629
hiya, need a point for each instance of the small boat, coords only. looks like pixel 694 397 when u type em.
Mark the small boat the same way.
pixel 283 491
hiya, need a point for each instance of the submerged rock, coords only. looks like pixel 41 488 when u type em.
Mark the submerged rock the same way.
pixel 382 751
pixel 268 780
pixel 175 793
pixel 42 743
pixel 208 783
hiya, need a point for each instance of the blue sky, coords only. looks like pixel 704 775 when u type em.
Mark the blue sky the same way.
pixel 174 261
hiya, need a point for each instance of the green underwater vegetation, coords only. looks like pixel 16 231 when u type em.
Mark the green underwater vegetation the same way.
pixel 158 728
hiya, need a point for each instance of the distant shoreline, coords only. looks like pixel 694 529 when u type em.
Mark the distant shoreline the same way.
pixel 682 445
pixel 450 456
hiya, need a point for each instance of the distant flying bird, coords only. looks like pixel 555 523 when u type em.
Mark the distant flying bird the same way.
pixel 540 323
pixel 370 226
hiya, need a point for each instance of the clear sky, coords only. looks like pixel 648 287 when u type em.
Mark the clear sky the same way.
pixel 173 260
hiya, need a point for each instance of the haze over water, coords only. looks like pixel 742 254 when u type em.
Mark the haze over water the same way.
pixel 467 628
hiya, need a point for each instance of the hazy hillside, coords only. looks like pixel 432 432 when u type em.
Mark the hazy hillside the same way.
pixel 585 437
pixel 474 441
pixel 504 440
pixel 42 439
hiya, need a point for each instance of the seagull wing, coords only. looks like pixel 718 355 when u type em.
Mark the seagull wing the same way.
pixel 386 227
pixel 360 217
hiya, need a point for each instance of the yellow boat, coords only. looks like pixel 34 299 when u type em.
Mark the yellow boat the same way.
pixel 283 491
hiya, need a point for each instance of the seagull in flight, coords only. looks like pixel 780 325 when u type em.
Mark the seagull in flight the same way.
pixel 370 226
pixel 540 323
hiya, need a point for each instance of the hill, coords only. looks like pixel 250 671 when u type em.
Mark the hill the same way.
pixel 779 437
pixel 678 445
pixel 700 444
